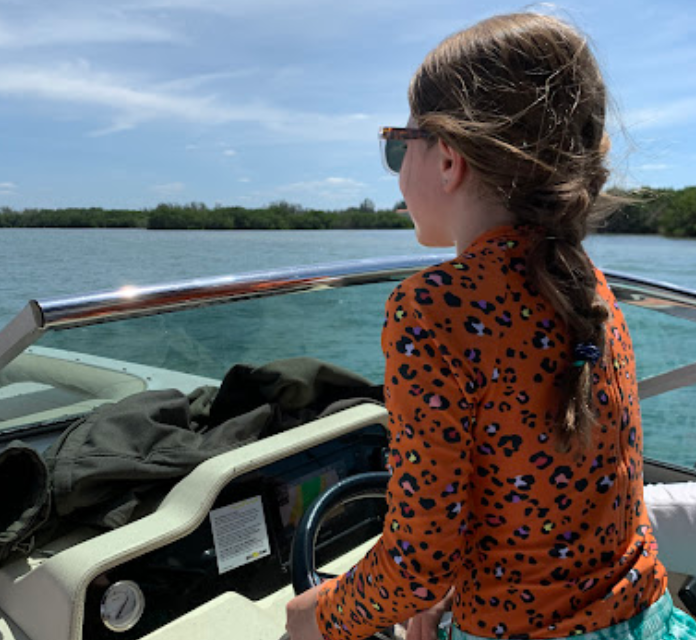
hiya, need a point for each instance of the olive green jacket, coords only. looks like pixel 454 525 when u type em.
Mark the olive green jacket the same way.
pixel 116 464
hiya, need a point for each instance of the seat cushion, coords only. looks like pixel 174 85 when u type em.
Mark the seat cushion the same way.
pixel 672 511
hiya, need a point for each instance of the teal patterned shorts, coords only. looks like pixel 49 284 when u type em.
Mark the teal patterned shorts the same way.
pixel 661 621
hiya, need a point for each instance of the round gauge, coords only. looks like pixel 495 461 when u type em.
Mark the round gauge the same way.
pixel 122 606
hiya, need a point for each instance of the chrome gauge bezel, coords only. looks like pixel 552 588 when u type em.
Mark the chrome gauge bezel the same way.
pixel 123 620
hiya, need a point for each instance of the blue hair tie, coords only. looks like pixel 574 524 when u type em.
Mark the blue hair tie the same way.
pixel 584 353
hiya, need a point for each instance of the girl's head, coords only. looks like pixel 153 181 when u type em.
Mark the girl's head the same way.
pixel 521 99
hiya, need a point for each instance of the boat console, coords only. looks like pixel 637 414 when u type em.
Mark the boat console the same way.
pixel 223 534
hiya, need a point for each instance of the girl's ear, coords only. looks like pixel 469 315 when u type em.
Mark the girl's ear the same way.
pixel 453 167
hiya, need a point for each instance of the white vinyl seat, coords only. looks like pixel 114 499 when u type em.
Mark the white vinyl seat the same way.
pixel 672 511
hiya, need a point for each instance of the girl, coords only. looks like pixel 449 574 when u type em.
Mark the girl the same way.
pixel 516 443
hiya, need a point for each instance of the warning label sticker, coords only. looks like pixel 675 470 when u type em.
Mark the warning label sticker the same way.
pixel 239 533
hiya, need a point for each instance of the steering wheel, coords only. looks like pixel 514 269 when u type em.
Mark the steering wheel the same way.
pixel 302 560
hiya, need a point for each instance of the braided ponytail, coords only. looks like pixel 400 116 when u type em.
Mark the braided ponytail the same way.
pixel 563 274
pixel 560 269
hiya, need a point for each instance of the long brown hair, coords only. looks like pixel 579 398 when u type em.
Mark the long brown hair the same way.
pixel 522 99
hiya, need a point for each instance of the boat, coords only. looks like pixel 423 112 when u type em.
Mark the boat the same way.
pixel 214 556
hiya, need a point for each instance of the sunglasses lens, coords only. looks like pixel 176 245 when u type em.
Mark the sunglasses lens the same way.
pixel 394 152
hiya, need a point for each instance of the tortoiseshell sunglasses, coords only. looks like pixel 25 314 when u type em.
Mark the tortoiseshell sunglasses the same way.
pixel 393 143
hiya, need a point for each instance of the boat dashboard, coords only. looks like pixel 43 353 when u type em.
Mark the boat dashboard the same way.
pixel 225 531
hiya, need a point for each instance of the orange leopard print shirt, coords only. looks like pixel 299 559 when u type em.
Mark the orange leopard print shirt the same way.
pixel 537 543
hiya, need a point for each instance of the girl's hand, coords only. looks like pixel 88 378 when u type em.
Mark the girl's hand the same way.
pixel 301 618
pixel 423 626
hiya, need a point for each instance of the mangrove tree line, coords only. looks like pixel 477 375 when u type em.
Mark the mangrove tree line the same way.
pixel 670 212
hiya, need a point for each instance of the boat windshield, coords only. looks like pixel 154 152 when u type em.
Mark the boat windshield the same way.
pixel 89 353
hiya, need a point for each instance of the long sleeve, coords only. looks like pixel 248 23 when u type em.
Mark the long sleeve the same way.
pixel 413 564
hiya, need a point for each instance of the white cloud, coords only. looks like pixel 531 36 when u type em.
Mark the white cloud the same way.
pixel 79 84
pixel 299 21
pixel 245 8
pixel 677 112
pixel 333 183
pixel 245 180
pixel 107 26
pixel 8 189
pixel 343 182
pixel 168 189
pixel 217 147
pixel 133 101
pixel 327 193
pixel 195 82
pixel 338 190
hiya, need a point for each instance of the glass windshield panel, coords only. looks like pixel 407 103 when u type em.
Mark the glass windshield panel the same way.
pixel 68 372
pixel 339 325
pixel 662 343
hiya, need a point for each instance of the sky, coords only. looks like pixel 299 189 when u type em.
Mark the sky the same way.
pixel 129 103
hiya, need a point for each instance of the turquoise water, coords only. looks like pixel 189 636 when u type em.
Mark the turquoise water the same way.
pixel 341 325
pixel 45 263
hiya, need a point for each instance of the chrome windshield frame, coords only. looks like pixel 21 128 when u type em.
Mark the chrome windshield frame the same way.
pixel 136 301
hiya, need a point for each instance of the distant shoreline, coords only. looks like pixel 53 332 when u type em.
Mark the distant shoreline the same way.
pixel 664 212
pixel 282 216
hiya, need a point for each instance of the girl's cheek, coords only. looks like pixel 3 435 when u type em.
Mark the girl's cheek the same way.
pixel 403 175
